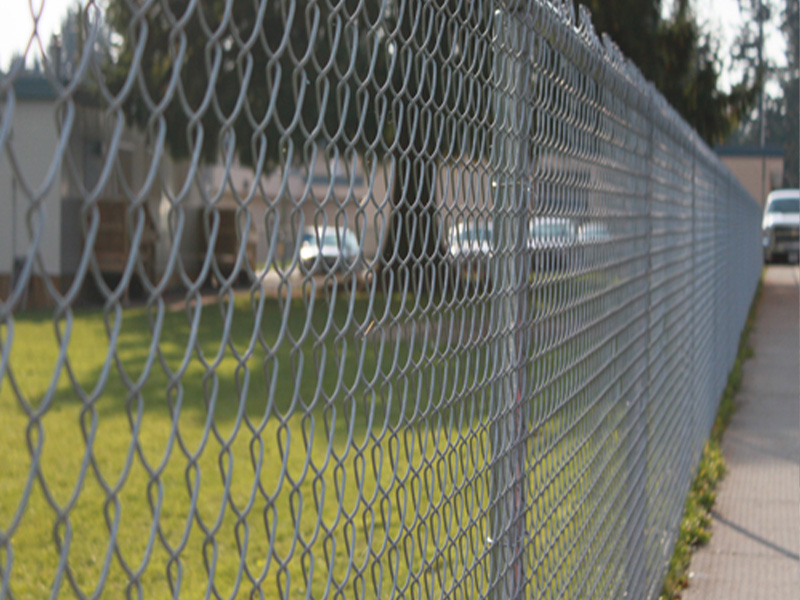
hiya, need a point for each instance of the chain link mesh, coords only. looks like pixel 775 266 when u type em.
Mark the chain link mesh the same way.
pixel 309 299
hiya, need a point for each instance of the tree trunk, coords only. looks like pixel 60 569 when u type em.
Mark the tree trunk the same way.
pixel 413 247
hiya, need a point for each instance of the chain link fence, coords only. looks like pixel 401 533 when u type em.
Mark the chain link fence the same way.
pixel 355 299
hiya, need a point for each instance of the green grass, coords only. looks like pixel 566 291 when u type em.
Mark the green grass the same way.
pixel 314 454
pixel 695 527
pixel 294 426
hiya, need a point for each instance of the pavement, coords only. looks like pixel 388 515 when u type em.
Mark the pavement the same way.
pixel 753 553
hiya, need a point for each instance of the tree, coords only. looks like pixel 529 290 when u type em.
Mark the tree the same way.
pixel 272 82
pixel 79 27
pixel 266 80
pixel 434 113
pixel 780 110
pixel 791 93
pixel 680 60
pixel 633 25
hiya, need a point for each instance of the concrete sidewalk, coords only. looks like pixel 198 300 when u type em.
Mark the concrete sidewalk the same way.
pixel 753 553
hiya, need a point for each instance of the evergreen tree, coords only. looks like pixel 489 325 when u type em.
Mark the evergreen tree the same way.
pixel 273 82
pixel 791 93
pixel 681 61
pixel 780 111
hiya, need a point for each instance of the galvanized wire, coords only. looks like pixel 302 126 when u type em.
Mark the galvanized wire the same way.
pixel 348 299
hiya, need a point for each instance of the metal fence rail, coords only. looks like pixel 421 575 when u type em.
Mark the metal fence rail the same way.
pixel 305 299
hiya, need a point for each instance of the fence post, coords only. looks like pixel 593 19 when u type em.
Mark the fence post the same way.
pixel 511 194
pixel 638 452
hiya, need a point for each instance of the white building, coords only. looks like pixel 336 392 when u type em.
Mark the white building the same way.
pixel 53 160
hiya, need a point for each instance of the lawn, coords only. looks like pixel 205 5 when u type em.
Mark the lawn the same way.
pixel 299 454
pixel 296 448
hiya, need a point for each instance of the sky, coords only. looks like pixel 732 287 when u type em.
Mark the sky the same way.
pixel 721 17
pixel 17 24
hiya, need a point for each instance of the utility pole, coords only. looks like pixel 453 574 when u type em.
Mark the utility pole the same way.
pixel 508 540
pixel 762 118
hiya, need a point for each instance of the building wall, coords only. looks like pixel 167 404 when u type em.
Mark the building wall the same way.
pixel 90 149
pixel 334 191
pixel 747 169
pixel 285 201
pixel 340 194
pixel 176 198
pixel 34 139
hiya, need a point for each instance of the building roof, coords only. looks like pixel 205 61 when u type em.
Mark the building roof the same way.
pixel 750 150
pixel 34 86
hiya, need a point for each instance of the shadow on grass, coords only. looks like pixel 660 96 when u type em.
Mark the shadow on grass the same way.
pixel 361 430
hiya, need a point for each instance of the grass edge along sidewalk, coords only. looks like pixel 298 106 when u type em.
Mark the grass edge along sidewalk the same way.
pixel 695 528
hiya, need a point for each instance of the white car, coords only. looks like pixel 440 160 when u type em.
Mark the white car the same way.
pixel 470 248
pixel 332 249
pixel 552 241
pixel 593 240
pixel 780 226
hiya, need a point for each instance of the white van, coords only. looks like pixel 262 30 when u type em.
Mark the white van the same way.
pixel 780 226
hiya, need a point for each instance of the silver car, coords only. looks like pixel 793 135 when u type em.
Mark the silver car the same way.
pixel 470 248
pixel 593 237
pixel 551 240
pixel 780 226
pixel 329 250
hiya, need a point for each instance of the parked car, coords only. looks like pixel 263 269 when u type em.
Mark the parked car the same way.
pixel 552 242
pixel 780 226
pixel 469 249
pixel 329 250
pixel 470 246
pixel 591 237
pixel 593 232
